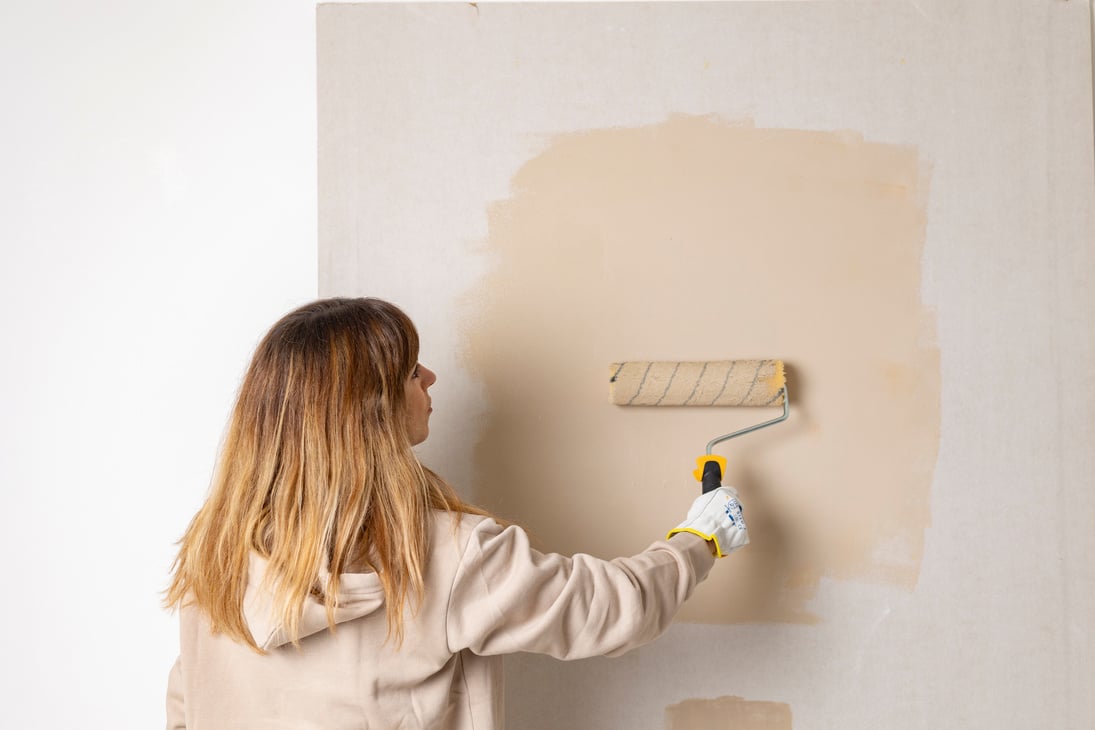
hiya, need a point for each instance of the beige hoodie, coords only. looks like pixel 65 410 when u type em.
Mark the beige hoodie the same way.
pixel 487 593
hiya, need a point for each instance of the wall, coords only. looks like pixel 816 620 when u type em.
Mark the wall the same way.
pixel 895 198
pixel 158 198
pixel 158 210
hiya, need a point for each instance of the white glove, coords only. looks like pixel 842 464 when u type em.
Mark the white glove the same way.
pixel 716 516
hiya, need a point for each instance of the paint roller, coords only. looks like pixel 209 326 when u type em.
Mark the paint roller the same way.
pixel 712 383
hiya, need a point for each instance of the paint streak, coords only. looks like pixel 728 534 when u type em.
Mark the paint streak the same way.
pixel 698 239
pixel 728 712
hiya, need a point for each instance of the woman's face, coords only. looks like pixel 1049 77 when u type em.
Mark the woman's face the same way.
pixel 418 403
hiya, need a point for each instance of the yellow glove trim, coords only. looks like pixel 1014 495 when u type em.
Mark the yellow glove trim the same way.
pixel 709 538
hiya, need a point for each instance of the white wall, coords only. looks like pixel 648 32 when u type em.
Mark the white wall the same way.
pixel 157 213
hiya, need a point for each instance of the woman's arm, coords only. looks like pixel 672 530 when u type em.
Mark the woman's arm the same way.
pixel 507 597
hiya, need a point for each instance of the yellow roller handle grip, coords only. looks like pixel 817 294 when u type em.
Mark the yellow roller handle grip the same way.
pixel 709 471
pixel 702 460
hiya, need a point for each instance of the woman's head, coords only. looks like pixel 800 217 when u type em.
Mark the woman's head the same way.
pixel 317 470
pixel 332 367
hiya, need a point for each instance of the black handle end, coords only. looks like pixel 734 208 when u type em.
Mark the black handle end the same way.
pixel 712 476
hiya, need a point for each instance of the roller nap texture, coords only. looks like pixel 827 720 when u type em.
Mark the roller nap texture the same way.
pixel 711 383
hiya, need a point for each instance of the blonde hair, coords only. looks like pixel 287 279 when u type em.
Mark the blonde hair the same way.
pixel 316 472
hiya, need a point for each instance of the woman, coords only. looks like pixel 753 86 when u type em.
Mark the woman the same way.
pixel 332 581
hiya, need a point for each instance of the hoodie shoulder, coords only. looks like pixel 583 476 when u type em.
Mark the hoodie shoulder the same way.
pixel 452 531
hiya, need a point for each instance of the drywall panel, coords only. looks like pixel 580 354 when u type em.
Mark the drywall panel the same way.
pixel 894 198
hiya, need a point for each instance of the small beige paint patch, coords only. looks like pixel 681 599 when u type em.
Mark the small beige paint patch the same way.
pixel 695 240
pixel 728 712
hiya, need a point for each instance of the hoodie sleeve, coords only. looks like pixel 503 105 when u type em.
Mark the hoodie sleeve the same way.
pixel 176 713
pixel 507 597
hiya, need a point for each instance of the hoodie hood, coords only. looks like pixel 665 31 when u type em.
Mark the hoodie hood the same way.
pixel 360 594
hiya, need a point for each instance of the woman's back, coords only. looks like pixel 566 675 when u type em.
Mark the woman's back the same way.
pixel 487 593
pixel 350 678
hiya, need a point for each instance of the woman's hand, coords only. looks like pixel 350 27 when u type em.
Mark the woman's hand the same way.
pixel 717 517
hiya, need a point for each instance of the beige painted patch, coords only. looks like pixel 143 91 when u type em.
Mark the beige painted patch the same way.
pixel 728 712
pixel 697 239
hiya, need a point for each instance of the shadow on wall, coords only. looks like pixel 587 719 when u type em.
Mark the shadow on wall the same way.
pixel 699 239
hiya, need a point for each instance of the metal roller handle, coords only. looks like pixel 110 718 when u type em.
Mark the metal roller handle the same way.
pixel 742 432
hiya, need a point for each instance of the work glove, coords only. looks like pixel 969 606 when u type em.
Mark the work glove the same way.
pixel 716 517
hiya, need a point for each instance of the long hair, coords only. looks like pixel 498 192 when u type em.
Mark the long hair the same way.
pixel 316 472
